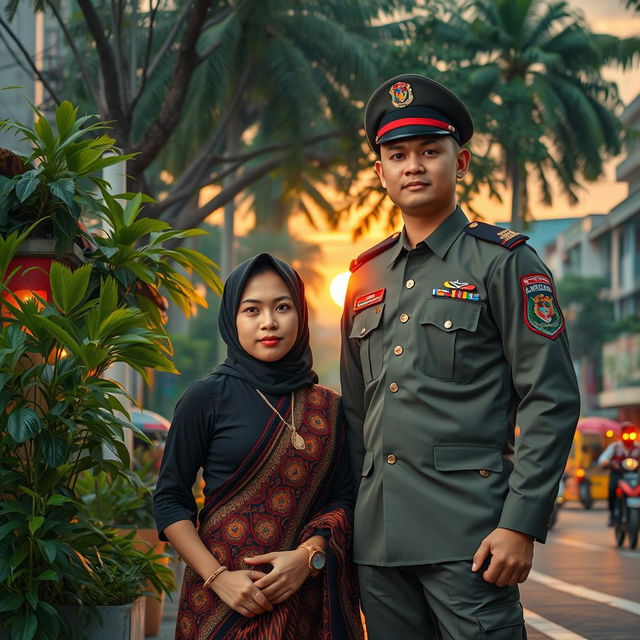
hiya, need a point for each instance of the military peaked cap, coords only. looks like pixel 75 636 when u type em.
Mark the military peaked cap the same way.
pixel 412 105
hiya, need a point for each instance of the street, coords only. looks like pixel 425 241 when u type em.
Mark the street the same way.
pixel 582 587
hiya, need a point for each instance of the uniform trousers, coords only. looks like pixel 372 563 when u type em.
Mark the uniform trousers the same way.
pixel 444 601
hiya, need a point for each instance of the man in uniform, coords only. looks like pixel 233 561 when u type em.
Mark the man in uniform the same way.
pixel 611 458
pixel 451 330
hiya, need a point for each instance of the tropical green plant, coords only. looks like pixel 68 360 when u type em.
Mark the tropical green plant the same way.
pixel 117 501
pixel 59 178
pixel 532 71
pixel 61 416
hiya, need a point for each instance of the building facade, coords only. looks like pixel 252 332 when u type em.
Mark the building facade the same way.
pixel 608 246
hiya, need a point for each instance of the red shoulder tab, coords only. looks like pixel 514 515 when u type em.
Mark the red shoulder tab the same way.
pixel 374 251
pixel 496 235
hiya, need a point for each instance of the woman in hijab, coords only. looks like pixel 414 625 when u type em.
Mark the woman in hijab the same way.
pixel 271 556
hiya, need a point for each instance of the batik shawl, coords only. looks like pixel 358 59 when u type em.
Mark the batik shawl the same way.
pixel 276 500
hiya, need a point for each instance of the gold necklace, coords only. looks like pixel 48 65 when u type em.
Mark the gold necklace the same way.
pixel 296 439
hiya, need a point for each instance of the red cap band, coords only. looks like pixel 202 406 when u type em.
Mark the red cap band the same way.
pixel 406 122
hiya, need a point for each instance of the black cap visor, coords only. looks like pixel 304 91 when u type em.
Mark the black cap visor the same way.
pixel 413 131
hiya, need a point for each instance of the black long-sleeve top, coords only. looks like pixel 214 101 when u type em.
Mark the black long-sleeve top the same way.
pixel 215 426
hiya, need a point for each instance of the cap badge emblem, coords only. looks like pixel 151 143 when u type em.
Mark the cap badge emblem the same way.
pixel 401 94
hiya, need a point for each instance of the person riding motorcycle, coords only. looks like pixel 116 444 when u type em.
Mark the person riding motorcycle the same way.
pixel 628 446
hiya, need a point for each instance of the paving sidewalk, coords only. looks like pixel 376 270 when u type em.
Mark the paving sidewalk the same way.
pixel 168 626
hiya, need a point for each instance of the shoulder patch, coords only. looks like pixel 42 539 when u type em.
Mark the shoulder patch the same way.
pixel 542 313
pixel 497 235
pixel 374 251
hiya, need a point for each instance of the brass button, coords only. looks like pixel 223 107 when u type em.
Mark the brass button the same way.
pixel 484 473
pixel 410 284
pixel 393 387
pixel 398 350
pixel 391 459
pixel 362 331
pixel 473 225
pixel 404 317
pixel 448 324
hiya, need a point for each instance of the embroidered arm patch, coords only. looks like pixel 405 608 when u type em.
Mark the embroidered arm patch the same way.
pixel 541 310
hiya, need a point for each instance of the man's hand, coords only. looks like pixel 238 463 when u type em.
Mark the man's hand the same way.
pixel 511 557
pixel 290 570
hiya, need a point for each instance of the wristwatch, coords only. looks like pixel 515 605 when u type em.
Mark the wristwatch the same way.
pixel 317 557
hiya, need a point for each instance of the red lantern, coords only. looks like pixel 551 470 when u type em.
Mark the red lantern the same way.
pixel 32 278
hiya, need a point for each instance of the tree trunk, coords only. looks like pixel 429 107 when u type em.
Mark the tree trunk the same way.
pixel 227 252
pixel 513 178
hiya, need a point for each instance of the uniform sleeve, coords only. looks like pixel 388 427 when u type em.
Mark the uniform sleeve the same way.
pixel 542 373
pixel 185 453
pixel 352 385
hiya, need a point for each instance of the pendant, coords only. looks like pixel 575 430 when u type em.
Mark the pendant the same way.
pixel 298 441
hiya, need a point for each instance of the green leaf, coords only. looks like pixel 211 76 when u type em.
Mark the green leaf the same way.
pixel 63 188
pixel 10 601
pixel 65 118
pixel 23 424
pixel 68 287
pixel 48 549
pixel 53 450
pixel 18 556
pixel 27 184
pixel 43 129
pixel 9 527
pixel 49 574
pixel 35 522
pixel 60 277
pixel 57 499
pixel 24 627
pixel 118 322
pixel 67 341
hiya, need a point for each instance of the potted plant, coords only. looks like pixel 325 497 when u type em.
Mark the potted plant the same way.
pixel 61 415
pixel 56 183
pixel 119 503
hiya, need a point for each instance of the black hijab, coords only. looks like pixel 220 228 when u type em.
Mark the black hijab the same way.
pixel 287 374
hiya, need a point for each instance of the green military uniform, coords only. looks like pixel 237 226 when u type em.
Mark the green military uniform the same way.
pixel 445 346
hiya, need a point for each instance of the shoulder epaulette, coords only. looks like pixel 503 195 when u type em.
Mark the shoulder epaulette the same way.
pixel 374 251
pixel 497 235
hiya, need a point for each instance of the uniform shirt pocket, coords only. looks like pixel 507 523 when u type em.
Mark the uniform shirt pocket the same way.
pixel 448 327
pixel 367 330
pixel 466 457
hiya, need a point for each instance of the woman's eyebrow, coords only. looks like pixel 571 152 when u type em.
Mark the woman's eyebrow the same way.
pixel 278 299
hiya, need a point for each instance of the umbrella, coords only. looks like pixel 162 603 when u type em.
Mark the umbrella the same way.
pixel 598 425
pixel 149 421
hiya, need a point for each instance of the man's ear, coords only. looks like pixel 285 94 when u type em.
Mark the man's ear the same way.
pixel 380 172
pixel 462 162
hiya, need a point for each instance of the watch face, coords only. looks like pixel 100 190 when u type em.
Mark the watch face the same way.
pixel 318 560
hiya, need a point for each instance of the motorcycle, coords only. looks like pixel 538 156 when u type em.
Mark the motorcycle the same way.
pixel 560 499
pixel 626 514
pixel 584 489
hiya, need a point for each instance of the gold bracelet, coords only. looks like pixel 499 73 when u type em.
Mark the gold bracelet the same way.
pixel 214 575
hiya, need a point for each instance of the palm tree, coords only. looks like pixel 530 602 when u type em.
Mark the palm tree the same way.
pixel 531 72
pixel 223 92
